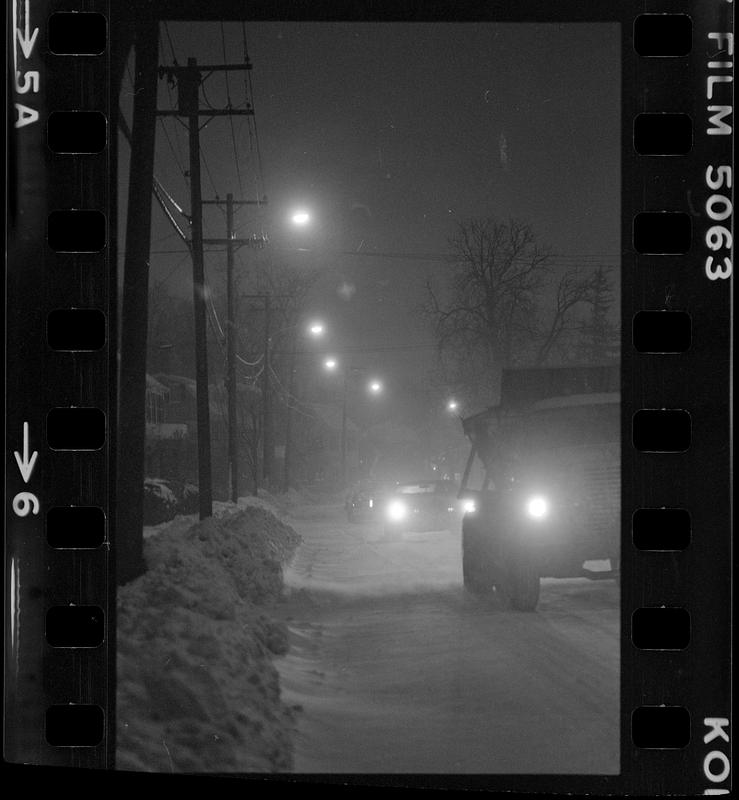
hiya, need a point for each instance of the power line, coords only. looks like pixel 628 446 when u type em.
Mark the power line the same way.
pixel 444 257
pixel 171 147
pixel 441 257
pixel 249 91
pixel 210 175
pixel 230 118
pixel 171 46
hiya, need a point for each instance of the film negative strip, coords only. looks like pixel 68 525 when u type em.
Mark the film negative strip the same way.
pixel 168 413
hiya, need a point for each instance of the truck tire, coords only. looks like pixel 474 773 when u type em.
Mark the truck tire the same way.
pixel 521 585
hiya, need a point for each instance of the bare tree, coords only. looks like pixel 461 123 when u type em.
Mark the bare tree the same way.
pixel 571 291
pixel 598 334
pixel 502 304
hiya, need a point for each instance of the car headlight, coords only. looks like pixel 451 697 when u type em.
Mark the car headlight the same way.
pixel 397 510
pixel 537 507
pixel 469 506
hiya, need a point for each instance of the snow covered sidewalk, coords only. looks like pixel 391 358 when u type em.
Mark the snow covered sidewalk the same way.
pixel 197 690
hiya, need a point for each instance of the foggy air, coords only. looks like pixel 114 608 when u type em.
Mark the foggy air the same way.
pixel 369 398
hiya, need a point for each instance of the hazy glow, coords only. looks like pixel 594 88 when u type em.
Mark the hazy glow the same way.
pixel 375 387
pixel 330 363
pixel 537 507
pixel 469 506
pixel 452 405
pixel 397 510
pixel 316 329
pixel 301 218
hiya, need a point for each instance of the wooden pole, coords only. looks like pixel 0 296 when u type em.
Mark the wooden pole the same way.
pixel 233 446
pixel 134 312
pixel 189 83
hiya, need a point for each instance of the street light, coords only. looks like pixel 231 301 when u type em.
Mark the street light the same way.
pixel 374 387
pixel 452 405
pixel 300 218
pixel 315 330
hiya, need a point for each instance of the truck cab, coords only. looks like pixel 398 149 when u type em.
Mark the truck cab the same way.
pixel 549 496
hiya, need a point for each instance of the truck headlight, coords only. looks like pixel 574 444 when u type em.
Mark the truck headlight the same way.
pixel 469 506
pixel 397 510
pixel 537 507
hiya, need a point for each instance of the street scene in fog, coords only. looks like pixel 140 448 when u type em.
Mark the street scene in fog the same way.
pixel 369 398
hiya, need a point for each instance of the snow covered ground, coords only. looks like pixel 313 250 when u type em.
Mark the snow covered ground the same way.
pixel 367 657
pixel 197 690
pixel 398 670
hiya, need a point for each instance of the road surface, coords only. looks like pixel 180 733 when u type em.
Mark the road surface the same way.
pixel 396 669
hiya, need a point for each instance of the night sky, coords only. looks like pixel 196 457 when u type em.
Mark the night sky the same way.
pixel 389 134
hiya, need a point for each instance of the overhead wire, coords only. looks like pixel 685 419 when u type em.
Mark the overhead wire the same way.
pixel 563 260
pixel 210 175
pixel 253 141
pixel 171 46
pixel 230 116
pixel 291 400
pixel 175 153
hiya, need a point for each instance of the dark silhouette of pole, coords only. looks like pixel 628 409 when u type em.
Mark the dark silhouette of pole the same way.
pixel 233 447
pixel 267 448
pixel 189 83
pixel 231 243
pixel 343 427
pixel 188 105
pixel 289 418
pixel 134 313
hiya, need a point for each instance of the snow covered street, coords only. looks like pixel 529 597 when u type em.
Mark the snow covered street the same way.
pixel 398 670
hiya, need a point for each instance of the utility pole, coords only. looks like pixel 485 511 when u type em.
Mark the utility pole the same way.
pixel 267 455
pixel 189 101
pixel 129 522
pixel 231 385
pixel 267 437
pixel 343 427
pixel 188 87
pixel 233 446
pixel 289 420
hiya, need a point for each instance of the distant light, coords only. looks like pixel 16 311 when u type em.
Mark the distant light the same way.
pixel 301 218
pixel 537 507
pixel 316 329
pixel 330 363
pixel 375 387
pixel 397 510
pixel 452 405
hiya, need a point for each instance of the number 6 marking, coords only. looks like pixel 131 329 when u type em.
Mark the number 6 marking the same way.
pixel 24 502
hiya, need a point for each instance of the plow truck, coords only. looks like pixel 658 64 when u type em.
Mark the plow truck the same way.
pixel 542 484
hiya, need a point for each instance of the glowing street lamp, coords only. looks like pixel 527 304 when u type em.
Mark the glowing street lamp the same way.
pixel 331 364
pixel 300 218
pixel 452 405
pixel 315 330
pixel 375 387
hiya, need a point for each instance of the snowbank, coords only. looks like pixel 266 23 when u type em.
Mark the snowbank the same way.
pixel 197 690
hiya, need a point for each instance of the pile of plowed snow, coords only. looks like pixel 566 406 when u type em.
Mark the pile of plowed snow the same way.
pixel 197 690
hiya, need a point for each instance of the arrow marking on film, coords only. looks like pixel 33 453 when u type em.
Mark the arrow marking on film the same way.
pixel 25 464
pixel 26 39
